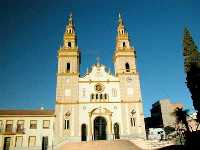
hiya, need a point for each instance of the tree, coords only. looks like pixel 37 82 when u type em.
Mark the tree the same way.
pixel 193 84
pixel 169 129
pixel 192 69
pixel 189 45
pixel 181 117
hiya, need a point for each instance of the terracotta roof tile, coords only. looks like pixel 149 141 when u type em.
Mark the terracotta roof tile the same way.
pixel 4 112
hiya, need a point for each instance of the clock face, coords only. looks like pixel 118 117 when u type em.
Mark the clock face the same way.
pixel 129 79
pixel 99 87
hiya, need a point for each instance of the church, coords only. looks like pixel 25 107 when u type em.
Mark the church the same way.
pixel 98 105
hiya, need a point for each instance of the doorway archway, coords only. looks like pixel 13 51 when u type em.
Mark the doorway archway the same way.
pixel 100 128
pixel 83 132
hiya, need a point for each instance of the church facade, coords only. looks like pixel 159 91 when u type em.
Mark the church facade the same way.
pixel 96 106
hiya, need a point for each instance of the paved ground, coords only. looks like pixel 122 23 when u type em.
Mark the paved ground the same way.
pixel 101 145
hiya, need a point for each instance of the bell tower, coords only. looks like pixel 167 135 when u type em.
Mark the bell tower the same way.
pixel 125 64
pixel 67 88
pixel 124 59
pixel 124 56
pixel 69 55
pixel 68 66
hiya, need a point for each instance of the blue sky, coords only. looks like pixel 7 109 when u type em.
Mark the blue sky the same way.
pixel 32 31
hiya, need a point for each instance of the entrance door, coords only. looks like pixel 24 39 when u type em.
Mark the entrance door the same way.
pixel 116 130
pixel 83 132
pixel 6 143
pixel 44 142
pixel 100 128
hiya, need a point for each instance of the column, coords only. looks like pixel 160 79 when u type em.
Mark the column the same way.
pixel 90 126
pixel 110 121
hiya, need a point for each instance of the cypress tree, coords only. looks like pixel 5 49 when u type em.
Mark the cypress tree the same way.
pixel 189 45
pixel 193 84
pixel 192 69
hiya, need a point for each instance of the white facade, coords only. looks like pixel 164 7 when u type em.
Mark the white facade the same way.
pixel 98 105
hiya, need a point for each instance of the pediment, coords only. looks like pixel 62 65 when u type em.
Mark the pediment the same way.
pixel 98 72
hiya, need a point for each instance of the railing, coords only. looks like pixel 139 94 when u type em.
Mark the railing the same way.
pixel 99 100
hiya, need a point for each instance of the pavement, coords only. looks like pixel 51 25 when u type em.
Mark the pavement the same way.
pixel 151 144
pixel 101 145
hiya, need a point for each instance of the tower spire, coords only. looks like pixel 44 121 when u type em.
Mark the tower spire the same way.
pixel 70 40
pixel 70 25
pixel 122 39
pixel 120 28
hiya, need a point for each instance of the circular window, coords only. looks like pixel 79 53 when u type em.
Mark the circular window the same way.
pixel 68 114
pixel 99 87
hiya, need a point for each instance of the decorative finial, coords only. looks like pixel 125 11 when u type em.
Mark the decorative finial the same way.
pixel 70 20
pixel 120 21
pixel 98 61
pixel 70 15
pixel 120 16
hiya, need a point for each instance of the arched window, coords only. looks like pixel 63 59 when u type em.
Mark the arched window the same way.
pixel 124 44
pixel 105 96
pixel 132 122
pixel 101 96
pixel 68 67
pixel 92 96
pixel 69 44
pixel 116 131
pixel 67 120
pixel 67 124
pixel 83 132
pixel 97 96
pixel 127 67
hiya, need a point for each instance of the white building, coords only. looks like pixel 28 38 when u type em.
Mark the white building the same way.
pixel 26 129
pixel 96 106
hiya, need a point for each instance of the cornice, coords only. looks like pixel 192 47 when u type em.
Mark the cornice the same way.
pixel 127 73
pixel 95 81
pixel 75 103
pixel 67 74
pixel 27 115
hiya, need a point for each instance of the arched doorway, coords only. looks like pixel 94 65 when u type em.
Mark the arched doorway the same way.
pixel 100 128
pixel 83 132
pixel 116 131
